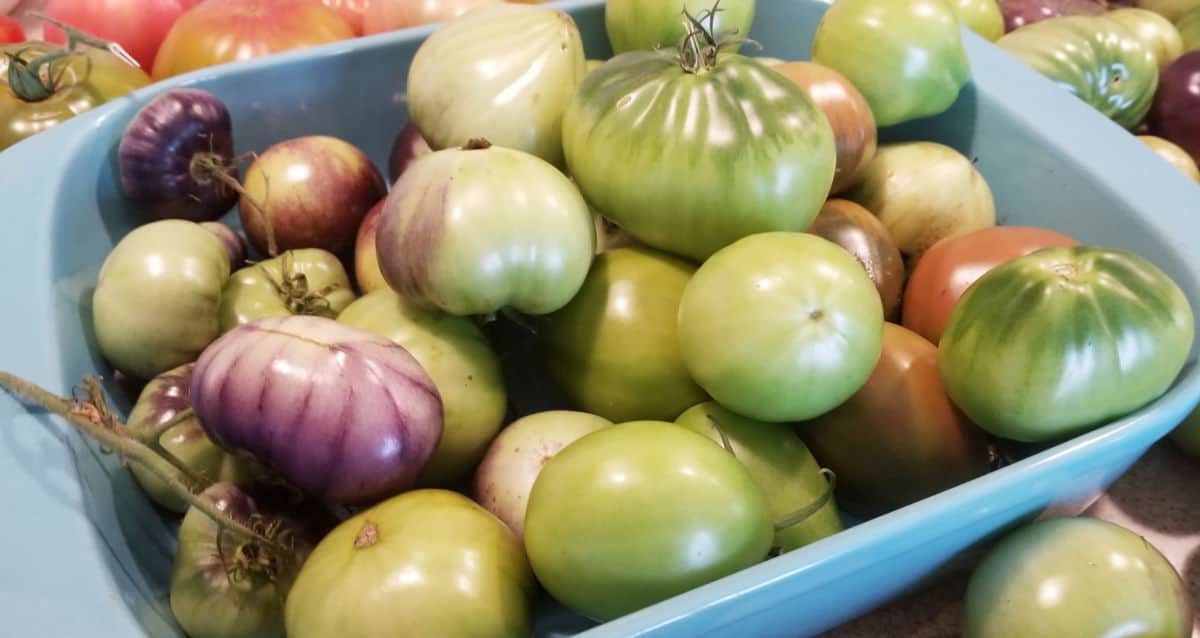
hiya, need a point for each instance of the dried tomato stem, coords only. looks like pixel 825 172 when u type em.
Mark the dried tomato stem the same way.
pixel 802 514
pixel 212 166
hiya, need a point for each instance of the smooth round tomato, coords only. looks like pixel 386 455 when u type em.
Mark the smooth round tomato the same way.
pixel 950 266
pixel 10 30
pixel 463 366
pixel 156 301
pixel 1075 577
pixel 690 156
pixel 221 31
pixel 779 461
pixel 1099 60
pixel 645 25
pixel 1059 341
pixel 139 26
pixel 306 281
pixel 423 561
pixel 615 347
pixel 635 513
pixel 780 326
pixel 854 228
pixel 899 438
pixel 88 79
pixel 981 16
pixel 905 56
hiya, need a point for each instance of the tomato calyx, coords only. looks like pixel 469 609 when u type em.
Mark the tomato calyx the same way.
pixel 477 144
pixel 292 288
pixel 40 77
pixel 701 44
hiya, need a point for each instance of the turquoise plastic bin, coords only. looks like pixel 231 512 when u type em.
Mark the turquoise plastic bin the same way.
pixel 83 553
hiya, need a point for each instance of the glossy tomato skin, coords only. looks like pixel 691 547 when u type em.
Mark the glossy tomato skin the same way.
pixel 635 513
pixel 307 281
pixel 981 16
pixel 780 326
pixel 615 347
pixel 899 438
pixel 425 560
pixel 139 26
pixel 89 79
pixel 644 25
pixel 1075 577
pixel 156 300
pixel 950 266
pixel 220 31
pixel 1186 435
pixel 1059 341
pixel 728 174
pixel 906 56
pixel 10 30
pixel 791 479
pixel 854 228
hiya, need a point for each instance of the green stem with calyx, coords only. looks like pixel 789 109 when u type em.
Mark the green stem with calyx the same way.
pixel 292 288
pixel 86 416
pixel 37 79
pixel 210 166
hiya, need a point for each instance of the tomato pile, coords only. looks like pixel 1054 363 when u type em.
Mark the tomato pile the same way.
pixel 788 322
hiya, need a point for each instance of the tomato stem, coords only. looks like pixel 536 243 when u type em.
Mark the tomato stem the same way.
pixel 76 37
pixel 214 167
pixel 91 417
pixel 292 288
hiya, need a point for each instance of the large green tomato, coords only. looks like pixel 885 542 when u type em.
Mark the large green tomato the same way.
pixel 690 156
pixel 659 24
pixel 463 366
pixel 615 347
pixel 981 16
pixel 636 513
pixel 1075 577
pixel 156 300
pixel 425 562
pixel 1097 59
pixel 781 326
pixel 779 461
pixel 305 281
pixel 1056 342
pixel 905 56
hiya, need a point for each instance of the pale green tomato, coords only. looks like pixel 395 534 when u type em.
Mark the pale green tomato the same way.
pixel 981 16
pixel 463 366
pixel 305 281
pixel 645 25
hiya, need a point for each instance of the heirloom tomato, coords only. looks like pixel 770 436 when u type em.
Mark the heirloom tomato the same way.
pixel 139 26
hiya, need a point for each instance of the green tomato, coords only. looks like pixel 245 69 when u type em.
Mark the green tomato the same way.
pixel 781 326
pixel 1097 59
pixel 690 158
pixel 1156 33
pixel 905 56
pixel 1189 30
pixel 420 563
pixel 305 281
pixel 645 25
pixel 635 513
pixel 1169 9
pixel 156 301
pixel 1186 435
pixel 1057 342
pixel 476 230
pixel 463 366
pixel 782 466
pixel 981 16
pixel 615 347
pixel 1075 577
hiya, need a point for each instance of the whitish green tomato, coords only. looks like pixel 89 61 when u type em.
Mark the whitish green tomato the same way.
pixel 305 281
pixel 1059 341
pixel 1075 577
pixel 905 56
pixel 426 562
pixel 635 513
pixel 463 366
pixel 1156 33
pixel 615 347
pixel 781 326
pixel 689 157
pixel 645 25
pixel 789 476
pixel 981 16
pixel 156 300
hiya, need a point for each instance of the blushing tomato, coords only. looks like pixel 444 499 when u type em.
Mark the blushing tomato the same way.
pixel 948 268
pixel 352 11
pixel 10 30
pixel 139 26
pixel 220 31
pixel 389 15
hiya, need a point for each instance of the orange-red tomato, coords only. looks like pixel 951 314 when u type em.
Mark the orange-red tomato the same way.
pixel 139 26
pixel 389 15
pixel 220 31
pixel 351 10
pixel 950 266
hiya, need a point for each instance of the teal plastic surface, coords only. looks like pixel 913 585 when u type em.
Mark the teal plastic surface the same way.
pixel 83 553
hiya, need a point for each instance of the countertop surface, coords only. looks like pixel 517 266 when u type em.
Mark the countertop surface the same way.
pixel 1159 498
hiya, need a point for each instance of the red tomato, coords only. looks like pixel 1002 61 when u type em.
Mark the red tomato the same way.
pixel 950 266
pixel 351 10
pixel 10 31
pixel 137 25
pixel 220 31
pixel 389 15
